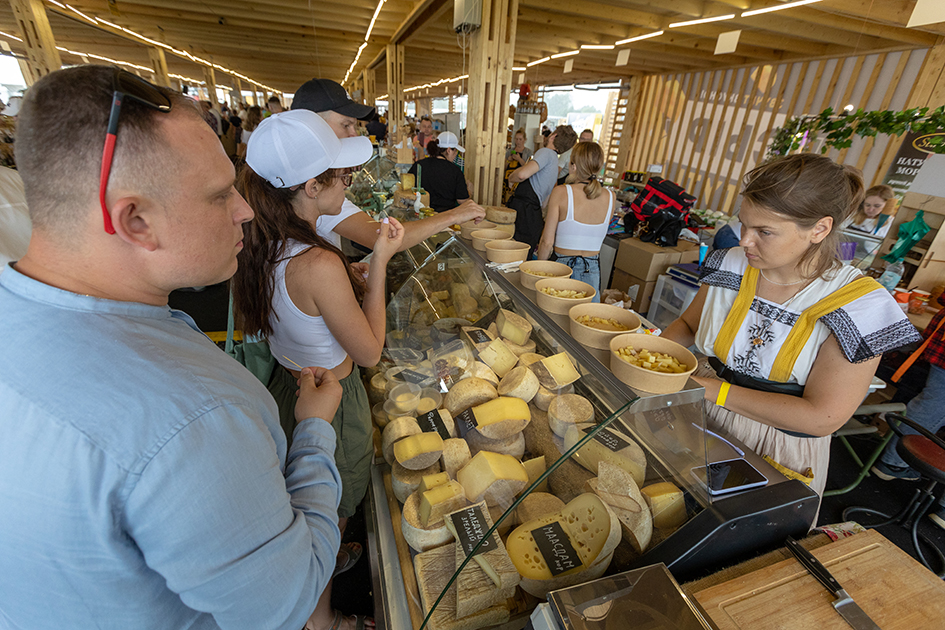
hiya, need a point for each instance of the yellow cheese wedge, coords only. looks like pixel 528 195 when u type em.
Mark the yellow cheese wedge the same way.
pixel 456 454
pixel 396 430
pixel 436 502
pixel 492 477
pixel 416 452
pixel 478 338
pixel 568 410
pixel 502 417
pixel 535 467
pixel 626 453
pixel 520 382
pixel 667 504
pixel 498 357
pixel 467 393
pixel 556 371
pixel 428 482
pixel 421 538
pixel 405 482
pixel 513 327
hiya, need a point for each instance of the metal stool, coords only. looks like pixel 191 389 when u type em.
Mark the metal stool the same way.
pixel 855 427
pixel 925 453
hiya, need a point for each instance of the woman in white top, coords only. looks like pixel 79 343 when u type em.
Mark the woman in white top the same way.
pixel 299 291
pixel 870 218
pixel 793 335
pixel 578 216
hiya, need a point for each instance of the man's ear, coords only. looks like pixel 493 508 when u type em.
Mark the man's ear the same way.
pixel 133 224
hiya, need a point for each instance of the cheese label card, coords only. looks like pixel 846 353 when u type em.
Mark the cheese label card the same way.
pixel 471 526
pixel 412 377
pixel 609 439
pixel 431 422
pixel 478 336
pixel 556 548
pixel 465 422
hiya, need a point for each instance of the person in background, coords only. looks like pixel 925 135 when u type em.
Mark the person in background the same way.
pixel 424 135
pixel 254 116
pixel 151 487
pixel 586 136
pixel 578 216
pixel 212 117
pixel 870 217
pixel 535 180
pixel 377 128
pixel 440 176
pixel 729 235
pixel 298 290
pixel 330 101
pixel 519 153
pixel 793 336
pixel 274 105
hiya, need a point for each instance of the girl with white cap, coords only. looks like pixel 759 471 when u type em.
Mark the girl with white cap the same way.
pixel 298 290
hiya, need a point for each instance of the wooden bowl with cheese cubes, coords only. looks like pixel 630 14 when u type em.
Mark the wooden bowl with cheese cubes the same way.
pixel 481 237
pixel 594 325
pixel 534 270
pixel 559 295
pixel 651 364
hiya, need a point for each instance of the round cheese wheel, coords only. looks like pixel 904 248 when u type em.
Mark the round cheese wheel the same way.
pixel 405 482
pixel 500 214
pixel 536 505
pixel 520 382
pixel 421 538
pixel 456 454
pixel 514 446
pixel 543 397
pixel 397 429
pixel 479 369
pixel 467 393
pixel 568 410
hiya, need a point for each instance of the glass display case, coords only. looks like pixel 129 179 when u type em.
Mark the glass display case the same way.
pixel 373 184
pixel 611 467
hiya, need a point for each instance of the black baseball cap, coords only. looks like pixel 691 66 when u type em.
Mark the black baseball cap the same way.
pixel 322 95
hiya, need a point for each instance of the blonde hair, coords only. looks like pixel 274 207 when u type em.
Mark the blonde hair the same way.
pixel 882 191
pixel 588 159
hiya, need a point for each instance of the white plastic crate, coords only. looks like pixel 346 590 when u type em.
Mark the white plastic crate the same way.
pixel 671 297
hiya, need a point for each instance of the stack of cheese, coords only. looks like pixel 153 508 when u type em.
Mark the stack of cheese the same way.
pixel 504 218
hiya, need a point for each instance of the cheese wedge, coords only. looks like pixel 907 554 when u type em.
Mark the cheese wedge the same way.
pixel 456 454
pixel 421 538
pixel 502 417
pixel 536 505
pixel 544 396
pixel 396 430
pixel 513 327
pixel 518 350
pixel 405 482
pixel 556 371
pixel 441 500
pixel 492 477
pixel 514 446
pixel 529 357
pixel 416 452
pixel 667 503
pixel 483 371
pixel 535 467
pixel 478 338
pixel 567 411
pixel 498 357
pixel 617 488
pixel 468 393
pixel 609 445
pixel 520 382
pixel 428 482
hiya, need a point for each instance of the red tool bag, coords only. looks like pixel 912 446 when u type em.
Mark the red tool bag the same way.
pixel 660 212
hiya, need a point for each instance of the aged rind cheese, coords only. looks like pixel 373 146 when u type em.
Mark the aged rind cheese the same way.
pixel 568 410
pixel 637 525
pixel 492 477
pixel 567 481
pixel 518 350
pixel 514 446
pixel 502 417
pixel 556 371
pixel 667 504
pixel 416 452
pixel 456 454
pixel 428 482
pixel 544 396
pixel 434 569
pixel 498 357
pixel 483 371
pixel 520 382
pixel 513 327
pixel 441 500
pixel 535 468
pixel 467 393
pixel 529 357
pixel 496 513
pixel 500 214
pixel 536 505
pixel 630 457
pixel 478 338
pixel 397 429
pixel 405 482
pixel 421 538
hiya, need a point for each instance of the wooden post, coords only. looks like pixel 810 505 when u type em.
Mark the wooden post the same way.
pixel 452 105
pixel 630 95
pixel 159 63
pixel 492 48
pixel 424 107
pixel 210 77
pixel 238 86
pixel 41 54
pixel 395 88
pixel 370 88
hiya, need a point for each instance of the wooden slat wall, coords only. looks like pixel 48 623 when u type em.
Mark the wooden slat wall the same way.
pixel 709 128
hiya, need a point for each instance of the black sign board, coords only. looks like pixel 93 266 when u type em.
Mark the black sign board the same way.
pixel 609 439
pixel 556 548
pixel 412 377
pixel 431 422
pixel 478 335
pixel 471 526
pixel 465 422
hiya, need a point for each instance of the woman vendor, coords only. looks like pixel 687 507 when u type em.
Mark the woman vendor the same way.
pixel 793 335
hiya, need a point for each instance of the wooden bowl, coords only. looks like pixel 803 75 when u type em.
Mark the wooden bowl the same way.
pixel 466 229
pixel 648 380
pixel 559 305
pixel 505 227
pixel 528 279
pixel 595 337
pixel 481 237
pixel 506 251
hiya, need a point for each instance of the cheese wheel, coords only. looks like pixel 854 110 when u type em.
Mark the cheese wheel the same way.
pixel 544 396
pixel 568 410
pixel 617 488
pixel 483 371
pixel 541 588
pixel 396 430
pixel 467 393
pixel 608 445
pixel 514 446
pixel 519 383
pixel 536 505
pixel 436 502
pixel 502 417
pixel 495 513
pixel 556 371
pixel 518 350
pixel 478 338
pixel 500 214
pixel 405 482
pixel 418 452
pixel 422 538
pixel 456 454
pixel 498 357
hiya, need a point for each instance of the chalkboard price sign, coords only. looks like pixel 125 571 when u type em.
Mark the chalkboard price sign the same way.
pixel 556 548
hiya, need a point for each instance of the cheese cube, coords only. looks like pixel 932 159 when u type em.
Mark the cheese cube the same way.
pixel 498 357
pixel 502 417
pixel 556 371
pixel 428 482
pixel 667 504
pixel 513 327
pixel 416 452
pixel 440 500
pixel 492 477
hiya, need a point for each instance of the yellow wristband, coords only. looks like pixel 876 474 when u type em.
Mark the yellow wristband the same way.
pixel 723 394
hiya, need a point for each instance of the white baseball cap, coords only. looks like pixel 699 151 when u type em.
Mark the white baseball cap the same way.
pixel 290 148
pixel 448 140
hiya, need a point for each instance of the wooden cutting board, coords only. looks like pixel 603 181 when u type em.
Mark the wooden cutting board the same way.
pixel 891 587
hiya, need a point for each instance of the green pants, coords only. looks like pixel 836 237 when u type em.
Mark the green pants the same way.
pixel 354 445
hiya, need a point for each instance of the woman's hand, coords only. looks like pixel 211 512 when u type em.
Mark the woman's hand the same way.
pixel 390 235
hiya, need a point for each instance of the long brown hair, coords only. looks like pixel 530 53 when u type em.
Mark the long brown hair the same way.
pixel 264 247
pixel 588 159
pixel 882 191
pixel 805 188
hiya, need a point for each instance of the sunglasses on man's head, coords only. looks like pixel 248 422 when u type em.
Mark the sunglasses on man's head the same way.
pixel 125 85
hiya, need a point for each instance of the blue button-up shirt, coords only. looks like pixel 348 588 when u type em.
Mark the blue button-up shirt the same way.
pixel 144 481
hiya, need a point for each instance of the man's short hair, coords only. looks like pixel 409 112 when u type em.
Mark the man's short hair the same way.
pixel 274 99
pixel 590 131
pixel 565 139
pixel 61 134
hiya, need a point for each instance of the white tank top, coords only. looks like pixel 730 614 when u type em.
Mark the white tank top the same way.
pixel 303 338
pixel 582 236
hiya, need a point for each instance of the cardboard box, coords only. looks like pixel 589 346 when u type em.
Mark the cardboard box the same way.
pixel 688 252
pixel 645 260
pixel 624 282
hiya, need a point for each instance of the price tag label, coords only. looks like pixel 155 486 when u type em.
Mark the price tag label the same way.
pixel 431 422
pixel 465 422
pixel 609 439
pixel 556 548
pixel 411 376
pixel 478 335
pixel 471 526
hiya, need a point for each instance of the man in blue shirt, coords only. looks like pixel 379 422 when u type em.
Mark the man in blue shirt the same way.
pixel 144 476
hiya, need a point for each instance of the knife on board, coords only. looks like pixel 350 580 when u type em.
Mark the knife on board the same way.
pixel 843 604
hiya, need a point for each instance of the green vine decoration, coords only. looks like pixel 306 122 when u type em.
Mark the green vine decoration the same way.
pixel 840 128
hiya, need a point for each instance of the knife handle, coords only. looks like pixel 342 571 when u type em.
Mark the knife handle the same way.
pixel 813 566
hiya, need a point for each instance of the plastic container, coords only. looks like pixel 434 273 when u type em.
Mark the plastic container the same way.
pixel 430 399
pixel 506 251
pixel 380 416
pixel 918 301
pixel 671 297
pixel 648 380
pixel 892 275
pixel 481 237
pixel 405 397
